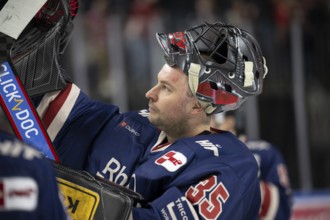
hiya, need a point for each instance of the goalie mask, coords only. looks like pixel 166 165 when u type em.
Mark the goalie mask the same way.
pixel 35 53
pixel 224 64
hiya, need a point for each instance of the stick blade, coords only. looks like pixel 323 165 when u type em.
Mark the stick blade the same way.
pixel 16 15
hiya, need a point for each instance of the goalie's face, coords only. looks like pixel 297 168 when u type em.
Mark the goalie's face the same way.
pixel 170 101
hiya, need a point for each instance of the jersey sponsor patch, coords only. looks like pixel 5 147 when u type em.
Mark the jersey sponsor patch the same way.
pixel 80 201
pixel 125 125
pixel 181 208
pixel 18 194
pixel 172 161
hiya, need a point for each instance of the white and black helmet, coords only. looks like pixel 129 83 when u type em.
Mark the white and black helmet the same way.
pixel 224 64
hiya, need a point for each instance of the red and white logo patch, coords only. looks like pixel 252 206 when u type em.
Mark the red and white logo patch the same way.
pixel 172 160
pixel 18 193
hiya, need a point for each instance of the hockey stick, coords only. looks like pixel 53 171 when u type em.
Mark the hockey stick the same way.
pixel 21 113
pixel 14 99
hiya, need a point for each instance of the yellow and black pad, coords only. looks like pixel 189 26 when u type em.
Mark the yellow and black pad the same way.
pixel 88 197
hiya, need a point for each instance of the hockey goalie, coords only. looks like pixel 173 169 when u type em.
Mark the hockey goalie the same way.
pixel 164 162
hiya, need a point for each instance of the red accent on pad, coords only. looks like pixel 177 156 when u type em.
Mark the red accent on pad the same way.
pixel 74 5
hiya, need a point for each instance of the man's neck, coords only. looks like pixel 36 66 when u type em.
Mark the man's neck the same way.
pixel 191 133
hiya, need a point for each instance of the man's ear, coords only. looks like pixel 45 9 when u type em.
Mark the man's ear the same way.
pixel 197 107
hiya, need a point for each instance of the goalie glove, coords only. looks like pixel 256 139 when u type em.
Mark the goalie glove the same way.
pixel 35 54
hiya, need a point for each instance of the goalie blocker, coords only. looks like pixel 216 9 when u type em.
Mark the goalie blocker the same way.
pixel 87 197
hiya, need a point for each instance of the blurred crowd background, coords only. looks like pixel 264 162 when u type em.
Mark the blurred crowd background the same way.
pixel 114 57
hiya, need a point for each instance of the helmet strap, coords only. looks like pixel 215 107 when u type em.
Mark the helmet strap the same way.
pixel 193 79
pixel 249 76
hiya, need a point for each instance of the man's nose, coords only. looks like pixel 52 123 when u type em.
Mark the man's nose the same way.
pixel 151 94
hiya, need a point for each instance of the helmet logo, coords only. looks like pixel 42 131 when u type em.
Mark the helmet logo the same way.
pixel 178 41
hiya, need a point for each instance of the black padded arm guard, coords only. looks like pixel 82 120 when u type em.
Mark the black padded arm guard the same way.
pixel 89 198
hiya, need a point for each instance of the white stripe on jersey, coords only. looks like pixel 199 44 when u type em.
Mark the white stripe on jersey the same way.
pixel 63 113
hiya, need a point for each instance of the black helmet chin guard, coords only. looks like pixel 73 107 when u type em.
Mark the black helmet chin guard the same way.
pixel 224 64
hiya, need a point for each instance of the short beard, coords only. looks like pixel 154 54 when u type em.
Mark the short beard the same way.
pixel 172 127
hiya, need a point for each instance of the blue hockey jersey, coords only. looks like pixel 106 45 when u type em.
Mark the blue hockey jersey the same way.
pixel 209 176
pixel 275 183
pixel 28 189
